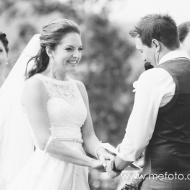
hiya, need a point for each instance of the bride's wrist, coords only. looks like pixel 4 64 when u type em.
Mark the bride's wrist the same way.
pixel 91 162
pixel 98 149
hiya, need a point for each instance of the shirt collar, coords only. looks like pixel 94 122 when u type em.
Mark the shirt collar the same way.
pixel 173 55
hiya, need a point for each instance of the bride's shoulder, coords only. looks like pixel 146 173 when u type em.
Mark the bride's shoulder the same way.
pixel 82 90
pixel 33 82
pixel 80 84
pixel 34 86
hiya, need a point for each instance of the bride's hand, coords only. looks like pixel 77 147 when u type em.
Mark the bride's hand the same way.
pixel 97 164
pixel 113 174
pixel 109 165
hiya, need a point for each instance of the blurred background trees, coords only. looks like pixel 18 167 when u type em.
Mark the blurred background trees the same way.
pixel 107 67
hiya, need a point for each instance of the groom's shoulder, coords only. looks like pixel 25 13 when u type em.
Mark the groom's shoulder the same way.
pixel 154 76
pixel 154 73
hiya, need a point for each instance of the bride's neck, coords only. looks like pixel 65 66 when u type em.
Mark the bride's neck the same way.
pixel 56 75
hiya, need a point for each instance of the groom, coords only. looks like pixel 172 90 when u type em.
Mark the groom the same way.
pixel 160 119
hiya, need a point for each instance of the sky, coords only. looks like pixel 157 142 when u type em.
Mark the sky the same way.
pixel 124 11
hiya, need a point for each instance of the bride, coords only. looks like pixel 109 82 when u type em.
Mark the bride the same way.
pixel 47 149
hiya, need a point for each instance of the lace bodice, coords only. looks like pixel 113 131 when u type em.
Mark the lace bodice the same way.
pixel 66 109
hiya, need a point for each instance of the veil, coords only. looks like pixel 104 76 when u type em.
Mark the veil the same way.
pixel 16 143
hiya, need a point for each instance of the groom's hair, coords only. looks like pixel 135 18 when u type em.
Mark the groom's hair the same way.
pixel 4 40
pixel 160 27
pixel 183 30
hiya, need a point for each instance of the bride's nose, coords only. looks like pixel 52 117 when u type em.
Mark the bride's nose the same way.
pixel 76 54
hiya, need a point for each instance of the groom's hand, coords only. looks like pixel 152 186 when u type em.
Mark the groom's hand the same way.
pixel 120 164
pixel 117 167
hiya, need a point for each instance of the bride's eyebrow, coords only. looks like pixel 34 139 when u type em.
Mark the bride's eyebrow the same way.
pixel 73 46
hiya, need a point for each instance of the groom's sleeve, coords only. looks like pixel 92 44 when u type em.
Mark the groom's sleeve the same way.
pixel 153 85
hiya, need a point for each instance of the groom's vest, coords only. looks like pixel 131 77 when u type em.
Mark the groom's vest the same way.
pixel 169 148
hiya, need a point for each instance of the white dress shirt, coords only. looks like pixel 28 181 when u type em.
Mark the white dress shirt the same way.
pixel 154 89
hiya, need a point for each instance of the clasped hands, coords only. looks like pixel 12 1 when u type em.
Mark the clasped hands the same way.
pixel 107 160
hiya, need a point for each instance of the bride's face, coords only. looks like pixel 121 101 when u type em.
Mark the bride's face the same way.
pixel 186 44
pixel 67 53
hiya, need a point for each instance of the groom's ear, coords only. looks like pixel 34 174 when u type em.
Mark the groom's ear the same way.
pixel 49 52
pixel 156 45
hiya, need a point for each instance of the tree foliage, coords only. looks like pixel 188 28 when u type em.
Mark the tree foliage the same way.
pixel 106 79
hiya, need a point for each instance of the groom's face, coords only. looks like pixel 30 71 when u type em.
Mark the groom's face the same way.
pixel 3 55
pixel 147 53
pixel 186 43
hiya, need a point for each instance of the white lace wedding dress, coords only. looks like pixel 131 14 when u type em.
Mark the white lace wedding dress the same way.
pixel 67 113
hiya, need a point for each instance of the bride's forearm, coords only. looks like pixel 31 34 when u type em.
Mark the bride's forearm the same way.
pixel 68 154
pixel 92 144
